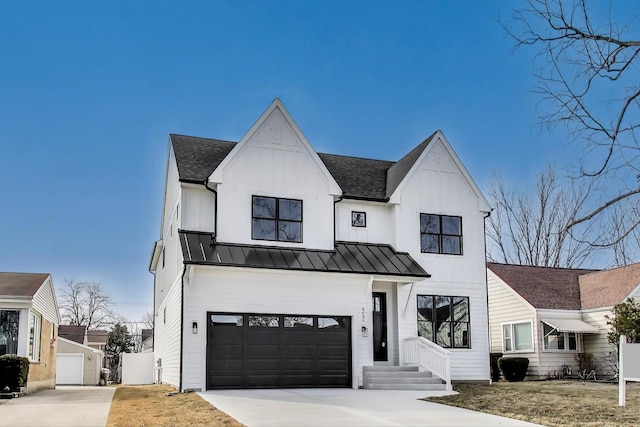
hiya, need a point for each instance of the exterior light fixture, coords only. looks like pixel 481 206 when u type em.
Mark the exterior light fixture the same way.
pixel 194 325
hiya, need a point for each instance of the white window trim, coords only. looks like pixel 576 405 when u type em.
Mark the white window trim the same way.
pixel 511 325
pixel 34 356
pixel 566 340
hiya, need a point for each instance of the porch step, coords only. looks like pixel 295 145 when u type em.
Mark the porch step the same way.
pixel 400 378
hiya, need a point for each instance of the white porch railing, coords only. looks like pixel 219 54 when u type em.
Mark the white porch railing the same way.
pixel 428 356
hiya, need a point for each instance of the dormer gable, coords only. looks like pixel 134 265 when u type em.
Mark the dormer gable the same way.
pixel 275 130
pixel 436 154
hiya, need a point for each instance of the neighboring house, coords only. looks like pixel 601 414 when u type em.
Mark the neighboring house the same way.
pixel 29 322
pixel 97 339
pixel 281 267
pixel 77 363
pixel 550 315
pixel 147 340
pixel 75 333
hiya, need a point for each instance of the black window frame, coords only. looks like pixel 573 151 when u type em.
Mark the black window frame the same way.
pixel 277 220
pixel 440 235
pixel 359 219
pixel 422 324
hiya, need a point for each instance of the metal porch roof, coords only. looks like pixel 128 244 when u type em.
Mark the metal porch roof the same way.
pixel 348 257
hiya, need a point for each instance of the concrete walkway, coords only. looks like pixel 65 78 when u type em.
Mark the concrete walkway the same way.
pixel 345 407
pixel 68 406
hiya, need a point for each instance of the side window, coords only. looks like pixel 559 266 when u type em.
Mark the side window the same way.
pixel 517 337
pixel 276 219
pixel 440 234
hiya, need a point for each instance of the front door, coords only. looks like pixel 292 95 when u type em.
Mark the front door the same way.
pixel 380 327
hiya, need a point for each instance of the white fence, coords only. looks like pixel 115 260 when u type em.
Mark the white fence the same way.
pixel 137 368
pixel 629 367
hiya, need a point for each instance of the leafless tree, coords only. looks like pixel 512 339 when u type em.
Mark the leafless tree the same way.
pixel 86 303
pixel 587 74
pixel 530 227
pixel 147 320
pixel 626 242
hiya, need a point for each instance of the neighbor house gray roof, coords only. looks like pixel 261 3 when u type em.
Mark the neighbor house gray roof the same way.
pixel 358 178
pixel 543 287
pixel 21 284
pixel 363 258
pixel 74 333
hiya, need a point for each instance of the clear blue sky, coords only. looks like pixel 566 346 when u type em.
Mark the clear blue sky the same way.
pixel 89 92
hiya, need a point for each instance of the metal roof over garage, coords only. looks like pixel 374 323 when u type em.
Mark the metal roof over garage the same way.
pixel 348 257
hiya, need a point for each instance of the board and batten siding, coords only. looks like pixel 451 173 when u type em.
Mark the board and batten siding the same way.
pixel 167 334
pixel 275 161
pixel 505 306
pixel 379 228
pixel 242 290
pixel 466 364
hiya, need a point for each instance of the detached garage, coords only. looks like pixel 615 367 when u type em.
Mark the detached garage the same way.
pixel 246 350
pixel 77 364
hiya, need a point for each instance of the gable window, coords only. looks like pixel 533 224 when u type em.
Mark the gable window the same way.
pixel 560 341
pixel 444 320
pixel 440 234
pixel 517 337
pixel 358 219
pixel 276 219
pixel 34 337
pixel 9 321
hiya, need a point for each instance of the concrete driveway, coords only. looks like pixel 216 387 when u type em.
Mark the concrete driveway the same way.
pixel 345 407
pixel 65 406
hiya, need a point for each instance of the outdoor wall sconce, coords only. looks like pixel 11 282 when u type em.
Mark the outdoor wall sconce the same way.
pixel 365 332
pixel 194 325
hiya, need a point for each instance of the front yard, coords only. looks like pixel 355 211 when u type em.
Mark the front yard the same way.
pixel 150 406
pixel 551 403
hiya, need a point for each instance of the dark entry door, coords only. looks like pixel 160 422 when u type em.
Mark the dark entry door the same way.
pixel 380 327
pixel 246 350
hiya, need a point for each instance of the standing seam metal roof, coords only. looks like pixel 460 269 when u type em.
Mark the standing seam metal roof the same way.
pixel 348 257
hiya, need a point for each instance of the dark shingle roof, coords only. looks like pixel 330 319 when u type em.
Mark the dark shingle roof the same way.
pixel 21 284
pixel 75 333
pixel 358 178
pixel 363 258
pixel 543 287
pixel 399 170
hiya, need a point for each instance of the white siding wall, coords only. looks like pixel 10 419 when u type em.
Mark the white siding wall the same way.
pixel 271 291
pixel 506 307
pixel 167 335
pixel 274 162
pixel 198 207
pixel 438 187
pixel 598 344
pixel 44 302
pixel 380 225
pixel 170 261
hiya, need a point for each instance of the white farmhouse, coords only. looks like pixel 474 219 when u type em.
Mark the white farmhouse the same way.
pixel 281 267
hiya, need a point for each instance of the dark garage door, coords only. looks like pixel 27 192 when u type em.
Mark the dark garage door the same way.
pixel 273 351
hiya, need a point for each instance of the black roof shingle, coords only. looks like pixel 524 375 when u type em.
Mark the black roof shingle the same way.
pixel 359 178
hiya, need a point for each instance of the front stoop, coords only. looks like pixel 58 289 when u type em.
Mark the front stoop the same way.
pixel 400 378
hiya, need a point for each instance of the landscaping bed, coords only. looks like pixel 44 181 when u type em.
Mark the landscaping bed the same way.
pixel 551 403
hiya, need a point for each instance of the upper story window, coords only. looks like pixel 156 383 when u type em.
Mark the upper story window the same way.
pixel 276 219
pixel 440 234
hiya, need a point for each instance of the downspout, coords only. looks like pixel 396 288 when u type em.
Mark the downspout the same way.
pixel 215 211
pixel 486 284
pixel 335 202
pixel 184 271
